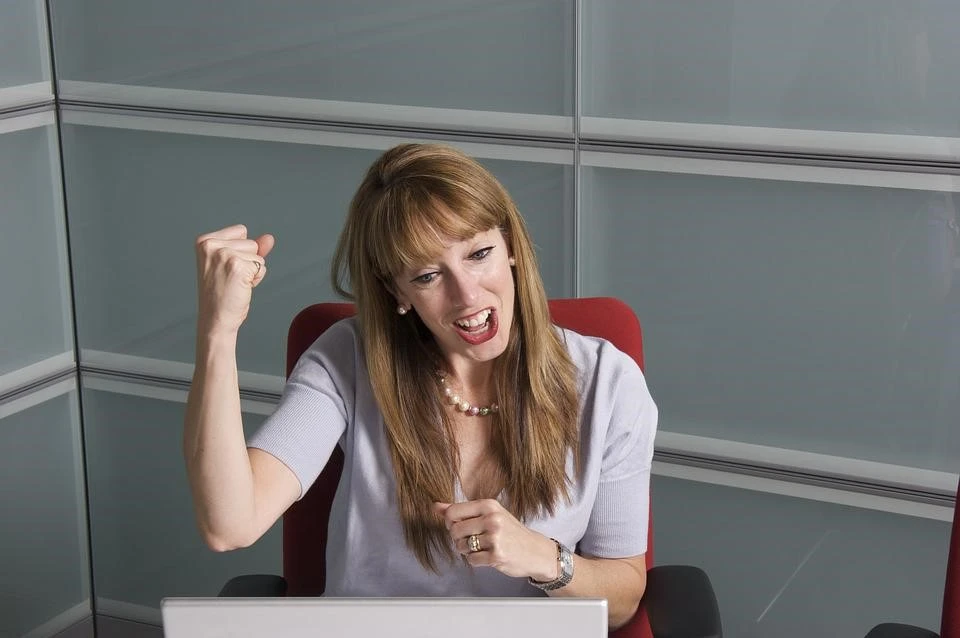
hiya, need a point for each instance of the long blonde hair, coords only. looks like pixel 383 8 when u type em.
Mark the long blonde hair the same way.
pixel 396 219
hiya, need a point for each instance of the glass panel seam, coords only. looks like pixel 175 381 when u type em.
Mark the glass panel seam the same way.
pixel 175 392
pixel 266 107
pixel 14 121
pixel 507 149
pixel 35 373
pixel 15 394
pixel 577 165
pixel 168 389
pixel 839 496
pixel 26 96
pixel 775 171
pixel 34 396
pixel 687 446
pixel 800 475
pixel 45 14
pixel 760 140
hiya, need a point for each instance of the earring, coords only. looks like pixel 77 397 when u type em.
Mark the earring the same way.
pixel 401 310
pixel 512 261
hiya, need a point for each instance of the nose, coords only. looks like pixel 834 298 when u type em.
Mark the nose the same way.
pixel 463 288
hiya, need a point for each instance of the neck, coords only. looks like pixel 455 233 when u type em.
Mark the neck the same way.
pixel 474 378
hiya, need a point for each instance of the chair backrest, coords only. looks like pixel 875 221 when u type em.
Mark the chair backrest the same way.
pixel 950 623
pixel 305 523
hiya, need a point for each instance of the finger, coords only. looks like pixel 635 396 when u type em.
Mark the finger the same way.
pixel 234 263
pixel 479 559
pixel 470 509
pixel 237 231
pixel 265 244
pixel 465 545
pixel 260 272
pixel 467 527
pixel 239 245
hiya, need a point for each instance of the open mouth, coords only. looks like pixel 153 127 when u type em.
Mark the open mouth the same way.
pixel 479 327
pixel 477 323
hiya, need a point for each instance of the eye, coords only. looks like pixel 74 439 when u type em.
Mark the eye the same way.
pixel 424 279
pixel 481 254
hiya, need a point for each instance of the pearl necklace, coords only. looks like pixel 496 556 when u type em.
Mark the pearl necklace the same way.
pixel 461 404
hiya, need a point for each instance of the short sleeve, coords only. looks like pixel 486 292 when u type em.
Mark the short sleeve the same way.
pixel 624 413
pixel 316 405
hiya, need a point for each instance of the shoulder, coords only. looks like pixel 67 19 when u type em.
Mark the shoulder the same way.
pixel 595 357
pixel 336 350
pixel 614 397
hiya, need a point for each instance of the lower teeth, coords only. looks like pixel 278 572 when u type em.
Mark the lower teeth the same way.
pixel 483 326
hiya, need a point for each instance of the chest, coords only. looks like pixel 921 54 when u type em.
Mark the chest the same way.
pixel 478 471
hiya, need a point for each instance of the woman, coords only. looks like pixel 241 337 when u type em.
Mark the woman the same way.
pixel 471 427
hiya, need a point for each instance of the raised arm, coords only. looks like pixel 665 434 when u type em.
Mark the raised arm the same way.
pixel 237 493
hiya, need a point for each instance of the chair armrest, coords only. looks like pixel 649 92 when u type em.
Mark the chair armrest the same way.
pixel 680 603
pixel 254 586
pixel 896 630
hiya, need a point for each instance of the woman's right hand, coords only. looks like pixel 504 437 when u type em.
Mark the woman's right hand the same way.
pixel 229 267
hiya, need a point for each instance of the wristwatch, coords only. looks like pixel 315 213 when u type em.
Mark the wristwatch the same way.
pixel 565 558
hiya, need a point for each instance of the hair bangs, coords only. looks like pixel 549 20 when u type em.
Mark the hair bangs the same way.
pixel 417 224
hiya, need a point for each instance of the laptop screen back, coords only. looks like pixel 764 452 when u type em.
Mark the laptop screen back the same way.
pixel 384 617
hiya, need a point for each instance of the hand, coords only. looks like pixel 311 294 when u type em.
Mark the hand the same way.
pixel 229 267
pixel 505 543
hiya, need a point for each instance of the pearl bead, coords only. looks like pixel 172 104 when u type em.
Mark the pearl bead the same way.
pixel 461 404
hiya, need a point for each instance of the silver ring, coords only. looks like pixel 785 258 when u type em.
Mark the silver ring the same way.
pixel 257 264
pixel 473 542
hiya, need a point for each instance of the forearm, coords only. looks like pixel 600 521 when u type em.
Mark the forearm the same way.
pixel 214 446
pixel 619 581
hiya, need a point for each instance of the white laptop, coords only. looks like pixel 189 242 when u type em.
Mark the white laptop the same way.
pixel 384 617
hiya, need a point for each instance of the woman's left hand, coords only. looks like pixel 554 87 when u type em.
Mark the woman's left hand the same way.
pixel 504 542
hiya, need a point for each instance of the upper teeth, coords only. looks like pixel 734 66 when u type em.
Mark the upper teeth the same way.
pixel 478 320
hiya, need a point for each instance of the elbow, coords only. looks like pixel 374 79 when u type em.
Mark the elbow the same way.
pixel 620 618
pixel 220 545
pixel 629 605
pixel 220 542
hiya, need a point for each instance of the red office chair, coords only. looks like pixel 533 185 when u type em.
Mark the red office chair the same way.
pixel 950 619
pixel 679 600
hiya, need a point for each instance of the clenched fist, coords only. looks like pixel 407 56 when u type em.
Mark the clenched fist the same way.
pixel 229 267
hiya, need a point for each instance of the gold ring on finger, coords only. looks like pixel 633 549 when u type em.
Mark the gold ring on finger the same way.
pixel 473 542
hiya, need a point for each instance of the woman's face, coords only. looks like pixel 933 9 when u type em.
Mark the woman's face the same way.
pixel 465 297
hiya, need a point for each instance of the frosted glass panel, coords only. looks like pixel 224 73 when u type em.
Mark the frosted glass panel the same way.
pixel 791 568
pixel 45 573
pixel 23 43
pixel 815 317
pixel 34 312
pixel 859 65
pixel 139 199
pixel 496 56
pixel 145 540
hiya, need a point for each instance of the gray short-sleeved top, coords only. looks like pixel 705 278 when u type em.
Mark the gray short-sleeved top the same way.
pixel 328 401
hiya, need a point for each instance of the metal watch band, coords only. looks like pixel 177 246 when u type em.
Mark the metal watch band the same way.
pixel 565 559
